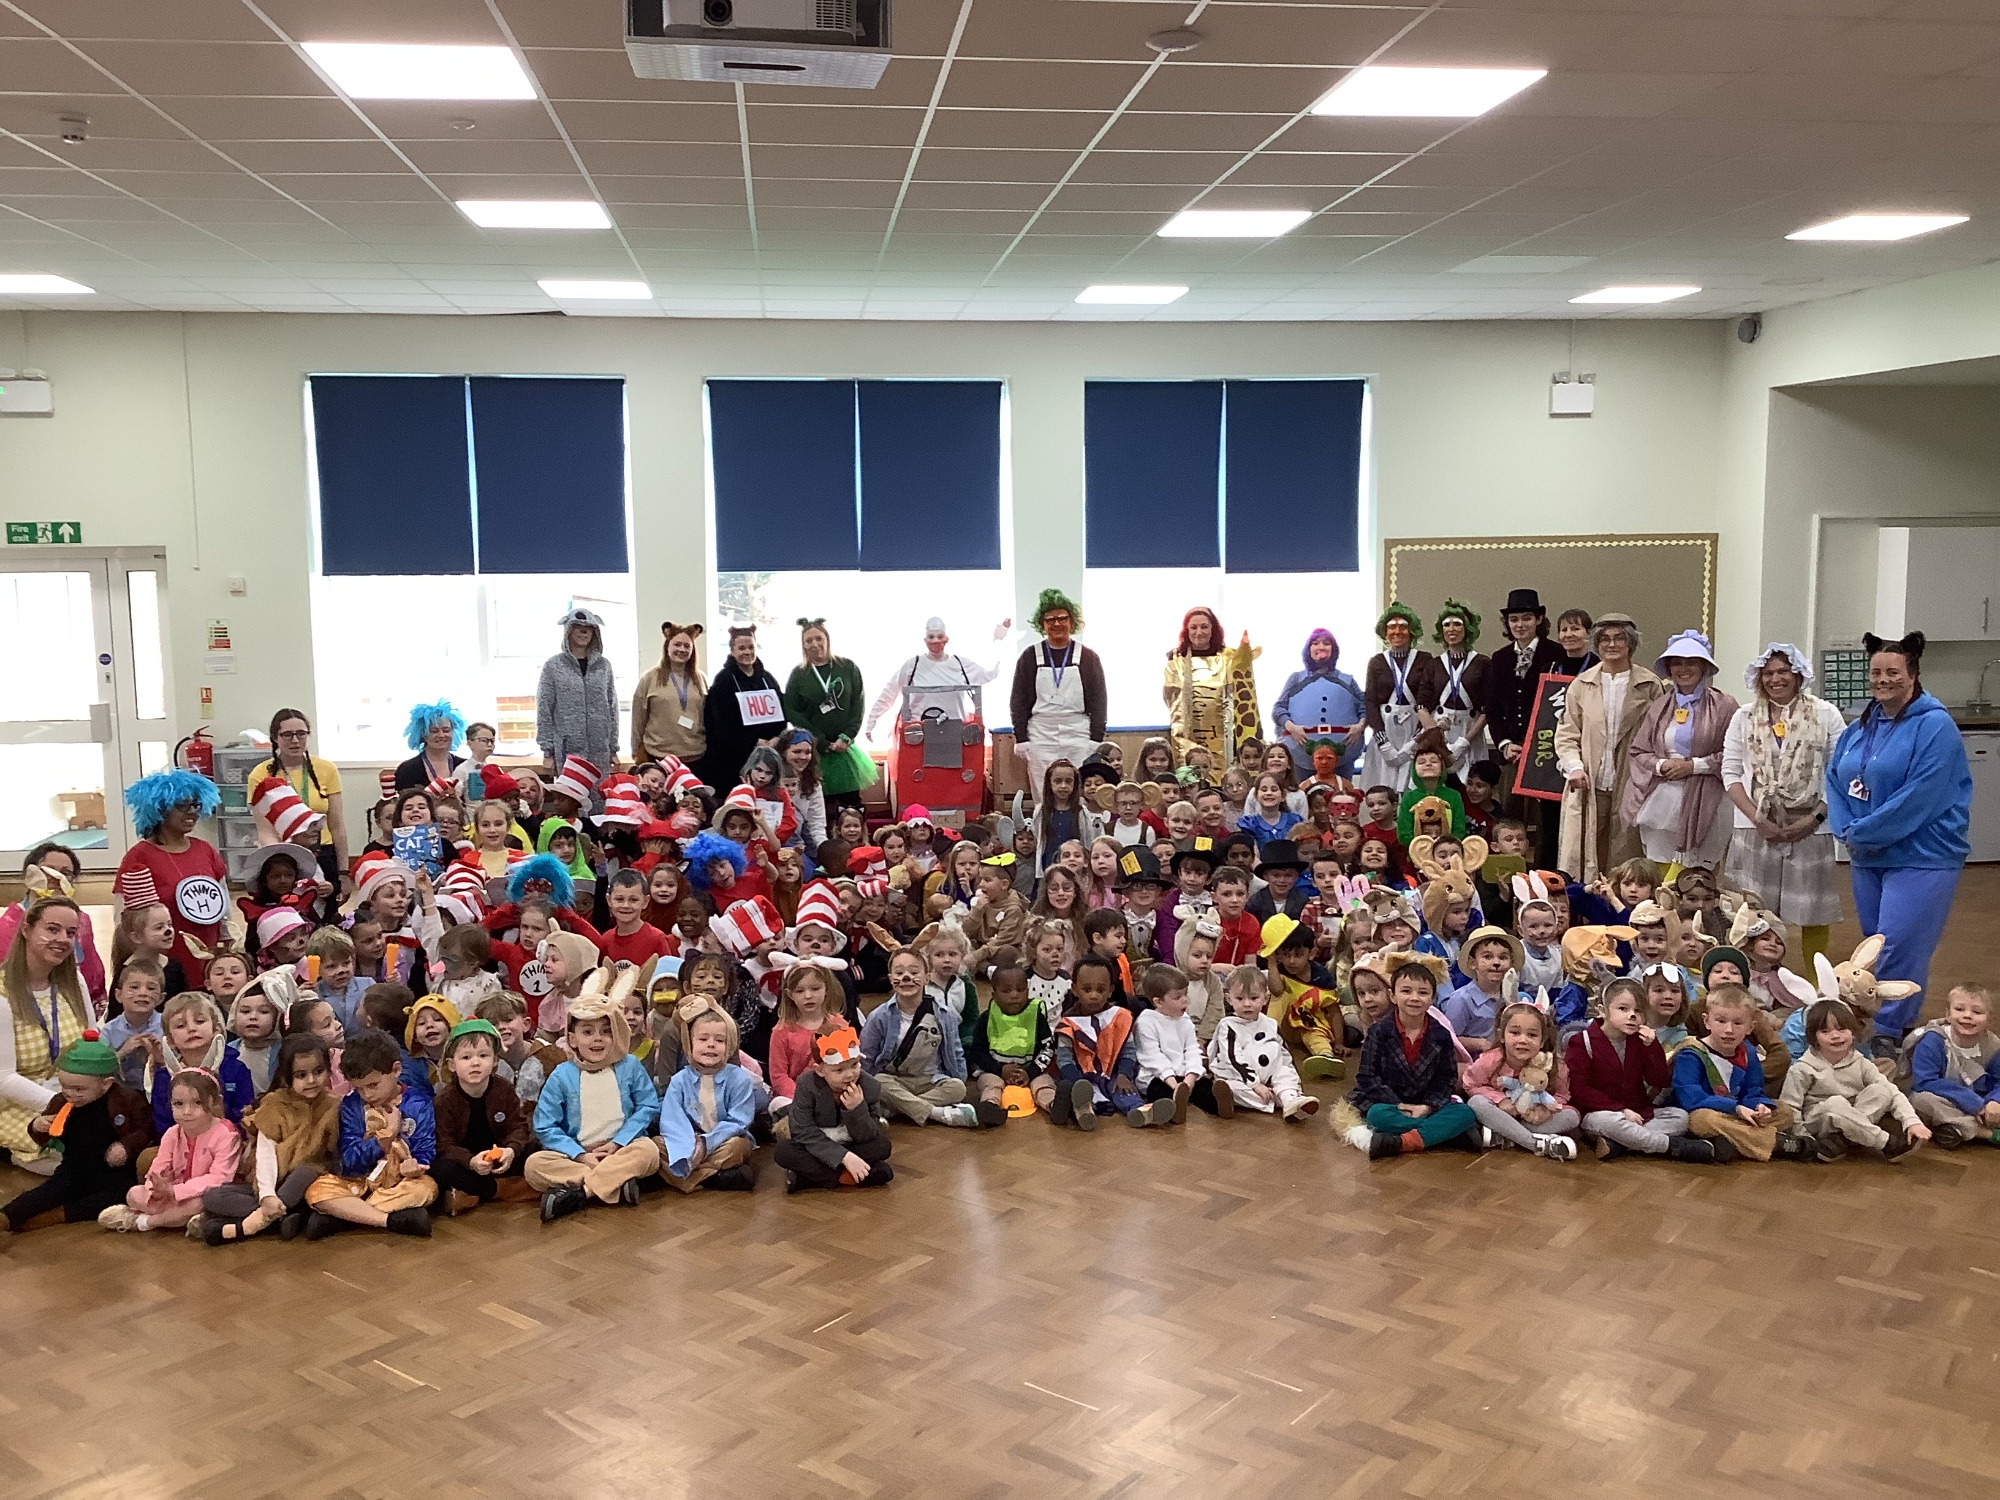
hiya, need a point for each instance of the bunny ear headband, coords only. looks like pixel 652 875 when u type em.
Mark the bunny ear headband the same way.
pixel 1672 971
pixel 1350 894
pixel 782 960
pixel 1530 888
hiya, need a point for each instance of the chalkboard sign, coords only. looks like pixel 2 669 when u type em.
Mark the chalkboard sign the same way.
pixel 1536 773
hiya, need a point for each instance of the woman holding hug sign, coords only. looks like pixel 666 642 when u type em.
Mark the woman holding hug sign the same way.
pixel 745 709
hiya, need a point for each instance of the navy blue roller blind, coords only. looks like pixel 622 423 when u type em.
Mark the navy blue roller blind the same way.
pixel 550 456
pixel 395 479
pixel 1293 456
pixel 1151 491
pixel 930 474
pixel 782 453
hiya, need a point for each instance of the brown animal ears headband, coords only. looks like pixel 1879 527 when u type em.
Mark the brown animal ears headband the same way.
pixel 669 630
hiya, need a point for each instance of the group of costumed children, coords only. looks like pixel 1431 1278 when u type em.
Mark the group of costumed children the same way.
pixel 576 1010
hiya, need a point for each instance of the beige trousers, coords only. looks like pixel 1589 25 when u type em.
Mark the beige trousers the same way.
pixel 546 1170
pixel 914 1103
pixel 1755 1141
pixel 731 1153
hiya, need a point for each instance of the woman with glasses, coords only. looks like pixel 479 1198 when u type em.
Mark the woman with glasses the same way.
pixel 318 784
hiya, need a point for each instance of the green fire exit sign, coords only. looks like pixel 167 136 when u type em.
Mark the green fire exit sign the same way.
pixel 44 533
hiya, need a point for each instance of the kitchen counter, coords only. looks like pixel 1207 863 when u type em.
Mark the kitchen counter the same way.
pixel 1967 718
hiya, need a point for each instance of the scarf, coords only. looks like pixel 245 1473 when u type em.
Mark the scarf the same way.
pixel 1524 656
pixel 1787 769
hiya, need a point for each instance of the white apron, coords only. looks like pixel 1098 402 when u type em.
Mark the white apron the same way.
pixel 1388 759
pixel 1457 721
pixel 1060 729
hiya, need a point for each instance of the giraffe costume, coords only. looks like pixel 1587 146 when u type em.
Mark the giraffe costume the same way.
pixel 1211 699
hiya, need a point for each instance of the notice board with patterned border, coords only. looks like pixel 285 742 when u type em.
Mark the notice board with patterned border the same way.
pixel 1666 582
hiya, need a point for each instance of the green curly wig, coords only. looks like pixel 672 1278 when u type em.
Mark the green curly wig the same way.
pixel 1455 609
pixel 1056 599
pixel 1399 611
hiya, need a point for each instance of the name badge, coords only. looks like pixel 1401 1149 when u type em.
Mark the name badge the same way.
pixel 686 722
pixel 1680 716
pixel 1857 789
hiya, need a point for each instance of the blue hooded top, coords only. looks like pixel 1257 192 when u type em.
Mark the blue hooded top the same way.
pixel 1919 799
pixel 1321 694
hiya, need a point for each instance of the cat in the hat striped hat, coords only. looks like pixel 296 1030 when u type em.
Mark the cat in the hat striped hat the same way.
pixel 750 931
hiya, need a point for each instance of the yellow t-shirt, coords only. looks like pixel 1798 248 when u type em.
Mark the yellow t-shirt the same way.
pixel 313 790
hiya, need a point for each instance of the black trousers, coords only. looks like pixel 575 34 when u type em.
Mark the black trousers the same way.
pixel 1201 1096
pixel 450 1174
pixel 81 1196
pixel 815 1173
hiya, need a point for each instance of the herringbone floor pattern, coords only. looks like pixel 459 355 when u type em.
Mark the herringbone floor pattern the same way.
pixel 1222 1310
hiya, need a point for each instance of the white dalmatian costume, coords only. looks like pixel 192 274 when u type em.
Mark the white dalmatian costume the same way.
pixel 1243 1054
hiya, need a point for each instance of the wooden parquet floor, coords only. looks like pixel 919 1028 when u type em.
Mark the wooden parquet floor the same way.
pixel 1246 1309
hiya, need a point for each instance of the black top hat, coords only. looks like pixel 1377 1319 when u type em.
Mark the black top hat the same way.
pixel 1201 850
pixel 1138 866
pixel 1094 767
pixel 1523 602
pixel 1279 854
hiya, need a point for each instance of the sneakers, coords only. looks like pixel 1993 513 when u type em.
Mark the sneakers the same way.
pixel 319 1225
pixel 1693 1148
pixel 557 1203
pixel 1555 1147
pixel 628 1193
pixel 1901 1144
pixel 1225 1099
pixel 1829 1147
pixel 733 1180
pixel 1062 1109
pixel 794 1183
pixel 1081 1105
pixel 989 1113
pixel 960 1116
pixel 1181 1093
pixel 293 1224
pixel 1950 1137
pixel 1312 1065
pixel 1483 1136
pixel 1610 1150
pixel 1159 1112
pixel 120 1218
pixel 415 1222
pixel 1302 1108
pixel 1797 1148
pixel 1724 1148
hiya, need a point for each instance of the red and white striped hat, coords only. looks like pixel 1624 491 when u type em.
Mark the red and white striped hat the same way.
pixel 623 802
pixel 575 781
pixel 386 779
pixel 375 868
pixel 462 887
pixel 819 905
pixel 277 804
pixel 275 924
pixel 441 786
pixel 741 798
pixel 742 925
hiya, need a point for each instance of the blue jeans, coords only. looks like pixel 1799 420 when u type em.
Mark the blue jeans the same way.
pixel 1909 909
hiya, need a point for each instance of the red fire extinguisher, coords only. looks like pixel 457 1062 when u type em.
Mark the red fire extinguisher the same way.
pixel 197 754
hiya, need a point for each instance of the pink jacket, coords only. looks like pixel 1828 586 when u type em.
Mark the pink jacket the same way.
pixel 189 1165
pixel 1482 1076
pixel 89 964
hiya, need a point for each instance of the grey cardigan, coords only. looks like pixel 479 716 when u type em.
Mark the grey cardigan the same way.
pixel 576 709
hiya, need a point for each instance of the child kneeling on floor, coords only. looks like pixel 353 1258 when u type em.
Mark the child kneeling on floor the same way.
pixel 1840 1096
pixel 1096 1061
pixel 482 1128
pixel 595 1116
pixel 1248 1058
pixel 912 1049
pixel 1719 1081
pixel 836 1140
pixel 1407 1082
pixel 1519 1090
pixel 706 1112
pixel 1616 1069
pixel 387 1140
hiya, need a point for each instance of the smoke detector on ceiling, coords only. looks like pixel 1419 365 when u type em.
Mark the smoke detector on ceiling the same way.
pixel 839 44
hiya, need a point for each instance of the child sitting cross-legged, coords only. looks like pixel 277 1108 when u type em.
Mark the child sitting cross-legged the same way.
pixel 1719 1081
pixel 1955 1070
pixel 197 1153
pixel 913 1051
pixel 1519 1089
pixel 1308 1015
pixel 1616 1069
pixel 1009 1043
pixel 803 1002
pixel 1170 1056
pixel 293 1139
pixel 1096 1058
pixel 387 1140
pixel 706 1113
pixel 1407 1081
pixel 595 1116
pixel 482 1130
pixel 1247 1057
pixel 97 1126
pixel 1840 1096
pixel 836 1140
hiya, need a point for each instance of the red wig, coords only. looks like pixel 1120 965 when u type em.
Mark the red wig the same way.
pixel 1215 639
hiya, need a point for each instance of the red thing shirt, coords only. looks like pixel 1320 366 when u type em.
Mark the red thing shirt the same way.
pixel 193 885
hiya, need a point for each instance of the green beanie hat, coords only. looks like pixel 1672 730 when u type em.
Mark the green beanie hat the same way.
pixel 88 1058
pixel 473 1027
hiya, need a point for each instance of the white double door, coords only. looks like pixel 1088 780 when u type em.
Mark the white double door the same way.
pixel 83 712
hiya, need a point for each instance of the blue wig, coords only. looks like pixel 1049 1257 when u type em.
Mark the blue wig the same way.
pixel 423 715
pixel 151 798
pixel 546 868
pixel 707 847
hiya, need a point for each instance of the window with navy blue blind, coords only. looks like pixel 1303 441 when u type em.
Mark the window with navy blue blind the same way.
pixel 1292 476
pixel 1254 476
pixel 393 467
pixel 1151 479
pixel 550 450
pixel 445 474
pixel 835 475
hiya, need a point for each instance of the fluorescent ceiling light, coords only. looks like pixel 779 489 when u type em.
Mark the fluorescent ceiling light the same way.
pixel 530 213
pixel 1233 223
pixel 1132 296
pixel 1425 93
pixel 608 291
pixel 43 286
pixel 1877 227
pixel 384 70
pixel 1637 294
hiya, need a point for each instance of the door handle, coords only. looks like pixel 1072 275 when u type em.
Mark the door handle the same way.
pixel 100 723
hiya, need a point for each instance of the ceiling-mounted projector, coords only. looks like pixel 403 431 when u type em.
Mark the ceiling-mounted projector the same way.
pixel 825 44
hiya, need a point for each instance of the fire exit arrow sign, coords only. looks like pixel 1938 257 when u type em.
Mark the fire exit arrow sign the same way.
pixel 44 533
